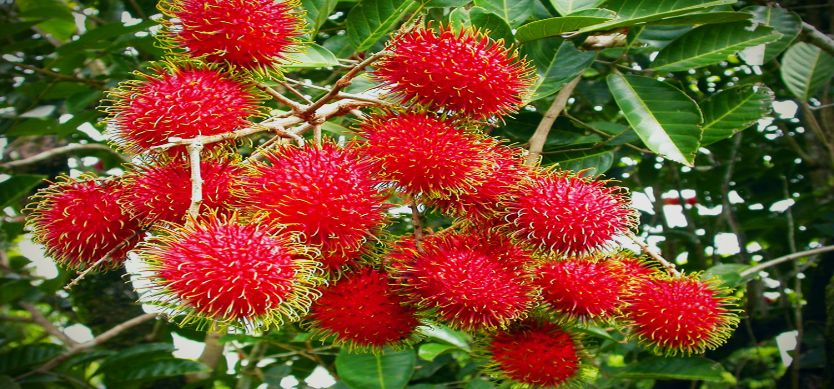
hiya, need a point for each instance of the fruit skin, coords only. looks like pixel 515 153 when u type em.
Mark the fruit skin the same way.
pixel 248 273
pixel 252 34
pixel 178 100
pixel 683 315
pixel 583 288
pixel 325 192
pixel 425 154
pixel 535 354
pixel 474 281
pixel 161 189
pixel 363 310
pixel 79 221
pixel 465 71
pixel 566 213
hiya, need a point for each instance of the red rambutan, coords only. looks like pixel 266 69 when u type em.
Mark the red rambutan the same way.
pixel 681 315
pixel 582 288
pixel 536 354
pixel 246 33
pixel 567 213
pixel 220 268
pixel 161 190
pixel 182 101
pixel 326 192
pixel 464 71
pixel 424 154
pixel 631 266
pixel 364 310
pixel 474 281
pixel 79 221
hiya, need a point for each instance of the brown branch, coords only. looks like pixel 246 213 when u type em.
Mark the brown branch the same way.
pixel 418 225
pixel 343 82
pixel 194 150
pixel 297 108
pixel 539 137
pixel 786 258
pixel 286 84
pixel 669 266
pixel 45 155
pixel 41 320
pixel 817 38
pixel 816 128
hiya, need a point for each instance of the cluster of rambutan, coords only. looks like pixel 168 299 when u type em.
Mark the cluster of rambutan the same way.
pixel 295 234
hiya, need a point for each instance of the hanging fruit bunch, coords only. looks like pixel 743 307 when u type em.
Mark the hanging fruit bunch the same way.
pixel 251 218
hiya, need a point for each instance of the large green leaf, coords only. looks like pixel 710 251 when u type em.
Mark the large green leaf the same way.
pixel 733 110
pixel 30 355
pixel 555 26
pixel 313 56
pixel 317 13
pixel 515 12
pixel 680 368
pixel 665 118
pixel 789 24
pixel 633 12
pixel 386 370
pixel 595 162
pixel 710 44
pixel 153 370
pixel 495 26
pixel 370 20
pixel 567 7
pixel 699 18
pixel 806 69
pixel 16 187
pixel 57 17
pixel 557 62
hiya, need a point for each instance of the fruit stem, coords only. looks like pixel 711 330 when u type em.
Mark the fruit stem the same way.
pixel 342 83
pixel 418 225
pixel 669 266
pixel 194 150
pixel 540 136
pixel 101 260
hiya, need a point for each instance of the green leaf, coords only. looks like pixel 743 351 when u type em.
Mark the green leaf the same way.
pixel 596 162
pixel 430 351
pixel 57 15
pixel 134 354
pixel 567 7
pixel 703 18
pixel 29 355
pixel 733 110
pixel 313 56
pixel 557 62
pixel 479 17
pixel 806 69
pixel 103 35
pixel 317 13
pixel 514 12
pixel 788 23
pixel 17 186
pixel 710 44
pixel 386 370
pixel 633 12
pixel 665 118
pixel 370 20
pixel 456 338
pixel 555 26
pixel 675 368
pixel 153 370
pixel 728 273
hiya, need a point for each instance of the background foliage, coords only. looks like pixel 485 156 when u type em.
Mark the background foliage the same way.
pixel 767 188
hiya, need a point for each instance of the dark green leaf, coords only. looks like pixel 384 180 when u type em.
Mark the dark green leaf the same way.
pixel 596 162
pixel 789 24
pixel 555 26
pixel 665 118
pixel 58 20
pixel 370 20
pixel 317 13
pixel 676 368
pixel 703 18
pixel 514 12
pixel 274 373
pixel 385 370
pixel 557 63
pixel 157 369
pixel 16 187
pixel 496 27
pixel 103 35
pixel 733 110
pixel 567 7
pixel 30 355
pixel 806 69
pixel 633 12
pixel 711 44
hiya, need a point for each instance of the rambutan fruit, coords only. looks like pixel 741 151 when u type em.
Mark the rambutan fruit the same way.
pixel 223 269
pixel 633 267
pixel 178 101
pixel 463 71
pixel 253 34
pixel 567 213
pixel 474 281
pixel 425 154
pixel 582 288
pixel 79 221
pixel 161 189
pixel 363 310
pixel 536 354
pixel 327 193
pixel 683 315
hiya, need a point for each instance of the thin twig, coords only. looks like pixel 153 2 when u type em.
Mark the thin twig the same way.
pixel 41 320
pixel 669 266
pixel 539 137
pixel 45 155
pixel 785 258
pixel 816 128
pixel 418 225
pixel 60 76
pixel 343 82
pixel 194 150
pixel 297 108
pixel 294 91
pixel 817 38
pixel 101 260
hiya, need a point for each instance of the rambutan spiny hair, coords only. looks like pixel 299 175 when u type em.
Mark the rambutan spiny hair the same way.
pixel 463 71
pixel 567 213
pixel 425 154
pixel 183 99
pixel 364 310
pixel 326 192
pixel 79 221
pixel 473 280
pixel 681 315
pixel 536 354
pixel 252 34
pixel 583 288
pixel 220 268
pixel 161 189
